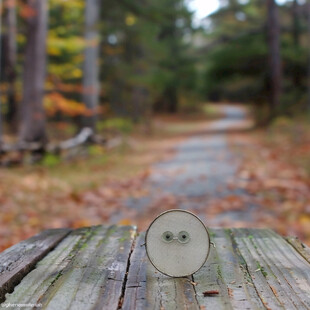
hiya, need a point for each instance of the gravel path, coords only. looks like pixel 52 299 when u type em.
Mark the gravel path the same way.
pixel 200 172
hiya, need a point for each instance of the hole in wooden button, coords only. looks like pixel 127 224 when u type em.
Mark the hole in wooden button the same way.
pixel 167 236
pixel 183 237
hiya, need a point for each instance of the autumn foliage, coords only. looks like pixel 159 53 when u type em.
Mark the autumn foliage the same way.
pixel 57 103
pixel 273 180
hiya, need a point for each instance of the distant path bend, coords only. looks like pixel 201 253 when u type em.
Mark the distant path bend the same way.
pixel 198 175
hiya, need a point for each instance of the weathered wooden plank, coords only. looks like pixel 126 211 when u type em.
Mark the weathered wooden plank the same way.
pixel 241 291
pixel 49 268
pixel 253 265
pixel 286 272
pixel 102 268
pixel 225 272
pixel 209 278
pixel 88 271
pixel 116 262
pixel 300 247
pixel 291 270
pixel 135 293
pixel 147 288
pixel 167 293
pixel 21 258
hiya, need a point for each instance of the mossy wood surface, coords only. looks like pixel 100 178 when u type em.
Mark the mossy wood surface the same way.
pixel 21 258
pixel 106 267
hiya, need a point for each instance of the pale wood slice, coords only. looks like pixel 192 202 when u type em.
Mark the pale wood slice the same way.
pixel 20 259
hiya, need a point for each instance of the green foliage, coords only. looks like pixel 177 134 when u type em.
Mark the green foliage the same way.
pixel 96 150
pixel 282 122
pixel 236 67
pixel 50 160
pixel 145 59
pixel 122 125
pixel 236 70
pixel 151 55
pixel 57 46
pixel 65 42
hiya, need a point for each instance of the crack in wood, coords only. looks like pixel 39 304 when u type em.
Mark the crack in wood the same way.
pixel 121 299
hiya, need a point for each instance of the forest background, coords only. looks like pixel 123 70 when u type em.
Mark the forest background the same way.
pixel 117 67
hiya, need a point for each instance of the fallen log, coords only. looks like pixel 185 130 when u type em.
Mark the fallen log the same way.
pixel 85 136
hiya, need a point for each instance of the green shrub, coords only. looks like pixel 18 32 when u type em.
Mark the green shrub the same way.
pixel 50 160
pixel 282 122
pixel 122 125
pixel 96 150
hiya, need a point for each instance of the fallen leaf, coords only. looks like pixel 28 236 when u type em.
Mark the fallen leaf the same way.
pixel 210 293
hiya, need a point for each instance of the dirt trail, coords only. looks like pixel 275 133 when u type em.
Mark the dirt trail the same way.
pixel 197 178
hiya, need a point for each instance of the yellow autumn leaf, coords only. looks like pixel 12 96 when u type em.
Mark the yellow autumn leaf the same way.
pixel 53 51
pixel 130 20
pixel 77 73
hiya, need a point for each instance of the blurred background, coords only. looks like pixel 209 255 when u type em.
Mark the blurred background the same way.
pixel 112 111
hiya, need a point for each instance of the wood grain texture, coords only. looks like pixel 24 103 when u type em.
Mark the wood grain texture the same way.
pixel 86 271
pixel 226 273
pixel 254 269
pixel 106 267
pixel 240 288
pixel 147 288
pixel 163 292
pixel 135 293
pixel 280 274
pixel 49 269
pixel 209 278
pixel 21 258
pixel 300 247
pixel 287 265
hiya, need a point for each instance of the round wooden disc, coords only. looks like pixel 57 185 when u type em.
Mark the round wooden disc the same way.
pixel 177 243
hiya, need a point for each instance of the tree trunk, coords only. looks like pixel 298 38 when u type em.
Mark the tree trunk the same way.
pixel 0 76
pixel 295 21
pixel 32 112
pixel 275 75
pixel 140 95
pixel 0 127
pixel 91 72
pixel 296 75
pixel 308 9
pixel 9 43
pixel 172 97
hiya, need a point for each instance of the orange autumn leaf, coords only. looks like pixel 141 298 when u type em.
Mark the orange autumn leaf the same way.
pixel 81 223
pixel 125 222
pixel 26 11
